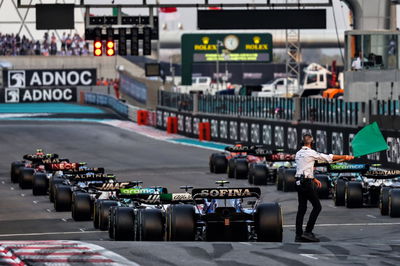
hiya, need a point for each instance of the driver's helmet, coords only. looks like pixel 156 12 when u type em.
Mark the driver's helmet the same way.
pixel 39 152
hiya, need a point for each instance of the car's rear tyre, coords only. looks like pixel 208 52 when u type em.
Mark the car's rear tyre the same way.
pixel 324 190
pixel 288 180
pixel 150 225
pixel 124 223
pixel 96 213
pixel 394 203
pixel 181 223
pixel 339 197
pixel 268 222
pixel 354 195
pixel 40 184
pixel 211 163
pixel 26 178
pixel 104 211
pixel 241 169
pixel 16 170
pixel 52 184
pixel 62 198
pixel 220 164
pixel 231 168
pixel 384 200
pixel 260 174
pixel 81 209
pixel 250 175
pixel 111 222
pixel 279 178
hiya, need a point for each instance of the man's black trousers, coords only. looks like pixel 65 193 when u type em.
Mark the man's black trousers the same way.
pixel 307 191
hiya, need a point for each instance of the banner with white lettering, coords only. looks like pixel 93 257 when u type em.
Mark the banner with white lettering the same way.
pixel 16 95
pixel 15 78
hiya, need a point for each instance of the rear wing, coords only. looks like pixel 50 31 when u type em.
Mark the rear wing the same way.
pixel 90 177
pixel 382 174
pixel 86 170
pixel 275 157
pixel 244 148
pixel 63 166
pixel 258 150
pixel 168 198
pixel 35 157
pixel 133 192
pixel 347 168
pixel 142 195
pixel 226 193
pixel 115 186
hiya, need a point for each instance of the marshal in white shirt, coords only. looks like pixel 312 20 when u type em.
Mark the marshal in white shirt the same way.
pixel 305 159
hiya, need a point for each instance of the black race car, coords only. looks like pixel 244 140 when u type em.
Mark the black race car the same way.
pixel 22 171
pixel 63 192
pixel 214 214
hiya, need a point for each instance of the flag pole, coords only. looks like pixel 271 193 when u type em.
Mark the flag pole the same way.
pixel 158 41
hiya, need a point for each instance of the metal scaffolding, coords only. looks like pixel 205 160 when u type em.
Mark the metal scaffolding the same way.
pixel 293 55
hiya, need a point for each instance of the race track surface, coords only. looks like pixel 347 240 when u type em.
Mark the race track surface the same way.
pixel 356 236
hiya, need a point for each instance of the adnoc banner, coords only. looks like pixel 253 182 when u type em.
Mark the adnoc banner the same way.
pixel 31 95
pixel 17 78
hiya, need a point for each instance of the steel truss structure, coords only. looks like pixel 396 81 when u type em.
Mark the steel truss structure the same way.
pixel 204 3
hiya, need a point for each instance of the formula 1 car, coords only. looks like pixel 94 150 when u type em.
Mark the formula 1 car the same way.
pixel 218 162
pixel 17 166
pixel 364 189
pixel 389 202
pixel 63 191
pixel 105 201
pixel 42 175
pixel 338 175
pixel 215 214
pixel 265 171
pixel 59 177
pixel 256 164
pixel 84 197
pixel 22 171
pixel 134 206
pixel 285 179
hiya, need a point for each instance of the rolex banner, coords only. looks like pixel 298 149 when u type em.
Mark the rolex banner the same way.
pixel 16 95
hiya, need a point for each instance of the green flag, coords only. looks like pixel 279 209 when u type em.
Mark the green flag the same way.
pixel 368 140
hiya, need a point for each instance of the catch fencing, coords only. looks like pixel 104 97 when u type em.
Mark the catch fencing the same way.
pixel 312 110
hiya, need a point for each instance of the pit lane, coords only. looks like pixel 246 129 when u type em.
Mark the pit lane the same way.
pixel 348 236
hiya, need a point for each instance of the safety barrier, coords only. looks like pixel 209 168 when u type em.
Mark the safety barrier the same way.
pixel 204 131
pixel 172 125
pixel 142 116
pixel 123 109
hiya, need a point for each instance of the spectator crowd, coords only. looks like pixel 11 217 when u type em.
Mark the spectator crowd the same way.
pixel 66 45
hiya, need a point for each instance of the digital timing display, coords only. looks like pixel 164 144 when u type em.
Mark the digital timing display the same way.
pixel 211 57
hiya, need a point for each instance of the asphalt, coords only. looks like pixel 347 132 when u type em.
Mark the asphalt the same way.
pixel 356 236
